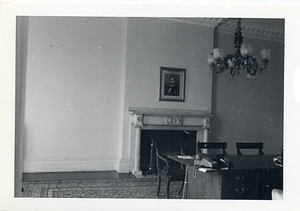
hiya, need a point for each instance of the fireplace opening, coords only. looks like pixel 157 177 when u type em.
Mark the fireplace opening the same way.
pixel 167 142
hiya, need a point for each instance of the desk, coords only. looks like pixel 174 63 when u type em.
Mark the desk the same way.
pixel 251 177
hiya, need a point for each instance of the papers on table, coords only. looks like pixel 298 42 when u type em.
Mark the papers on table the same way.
pixel 204 169
pixel 185 157
pixel 210 169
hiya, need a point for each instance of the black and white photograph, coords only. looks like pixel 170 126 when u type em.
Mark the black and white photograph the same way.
pixel 66 93
pixel 113 107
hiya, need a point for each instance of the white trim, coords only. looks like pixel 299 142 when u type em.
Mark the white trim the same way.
pixel 70 164
pixel 123 165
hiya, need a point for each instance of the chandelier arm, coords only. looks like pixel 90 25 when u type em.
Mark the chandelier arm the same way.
pixel 265 65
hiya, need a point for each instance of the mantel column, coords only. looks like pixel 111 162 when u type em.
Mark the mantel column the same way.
pixel 206 127
pixel 202 135
pixel 138 123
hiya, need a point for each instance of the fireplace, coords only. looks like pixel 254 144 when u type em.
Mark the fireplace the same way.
pixel 155 119
pixel 168 142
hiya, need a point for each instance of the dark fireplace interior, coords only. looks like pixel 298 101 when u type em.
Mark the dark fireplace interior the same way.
pixel 167 142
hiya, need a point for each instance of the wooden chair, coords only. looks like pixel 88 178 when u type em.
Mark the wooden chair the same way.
pixel 250 145
pixel 165 171
pixel 212 145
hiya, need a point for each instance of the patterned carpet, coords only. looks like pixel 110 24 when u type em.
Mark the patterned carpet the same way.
pixel 125 188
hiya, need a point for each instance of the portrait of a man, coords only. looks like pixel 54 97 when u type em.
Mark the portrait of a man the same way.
pixel 172 85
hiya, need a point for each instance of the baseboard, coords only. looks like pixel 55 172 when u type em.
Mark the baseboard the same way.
pixel 123 165
pixel 69 164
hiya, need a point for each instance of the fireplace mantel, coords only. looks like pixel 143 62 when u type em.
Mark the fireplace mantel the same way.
pixel 165 119
pixel 148 118
pixel 163 111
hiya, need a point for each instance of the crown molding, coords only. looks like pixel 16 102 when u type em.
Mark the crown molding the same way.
pixel 227 26
pixel 254 31
pixel 209 22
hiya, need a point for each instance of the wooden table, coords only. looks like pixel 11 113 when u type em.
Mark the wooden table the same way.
pixel 251 177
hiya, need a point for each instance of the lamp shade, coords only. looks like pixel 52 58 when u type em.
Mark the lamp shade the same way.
pixel 265 54
pixel 230 63
pixel 217 53
pixel 246 50
pixel 210 59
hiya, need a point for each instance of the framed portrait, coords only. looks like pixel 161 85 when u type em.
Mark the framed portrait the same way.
pixel 172 84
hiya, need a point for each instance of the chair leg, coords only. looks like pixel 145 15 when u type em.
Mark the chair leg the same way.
pixel 168 188
pixel 159 181
pixel 181 187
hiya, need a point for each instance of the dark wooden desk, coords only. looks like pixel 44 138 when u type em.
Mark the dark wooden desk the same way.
pixel 251 177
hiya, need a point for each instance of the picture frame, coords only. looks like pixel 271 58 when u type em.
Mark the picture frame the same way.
pixel 172 84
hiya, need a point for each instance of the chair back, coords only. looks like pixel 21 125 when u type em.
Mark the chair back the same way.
pixel 213 145
pixel 161 163
pixel 250 145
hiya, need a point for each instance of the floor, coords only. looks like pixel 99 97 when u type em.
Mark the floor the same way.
pixel 95 175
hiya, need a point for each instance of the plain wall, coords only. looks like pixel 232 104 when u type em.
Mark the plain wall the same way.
pixel 72 93
pixel 152 43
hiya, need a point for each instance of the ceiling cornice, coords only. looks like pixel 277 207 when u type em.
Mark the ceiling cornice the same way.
pixel 227 26
pixel 254 30
pixel 209 22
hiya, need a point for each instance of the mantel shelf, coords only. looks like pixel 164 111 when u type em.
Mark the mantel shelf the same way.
pixel 171 112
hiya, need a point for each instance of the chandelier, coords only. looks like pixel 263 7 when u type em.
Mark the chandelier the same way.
pixel 242 59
